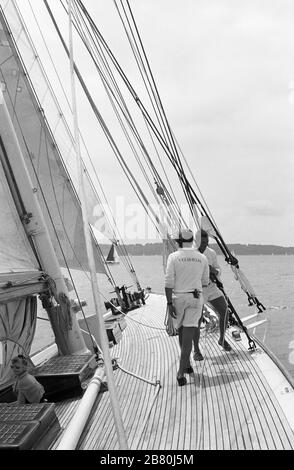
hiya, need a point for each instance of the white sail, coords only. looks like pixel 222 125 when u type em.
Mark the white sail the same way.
pixel 16 254
pixel 112 257
pixel 57 195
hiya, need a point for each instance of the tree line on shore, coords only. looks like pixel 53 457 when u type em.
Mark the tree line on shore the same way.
pixel 151 249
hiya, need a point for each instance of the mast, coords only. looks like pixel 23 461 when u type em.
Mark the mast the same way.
pixel 102 331
pixel 69 340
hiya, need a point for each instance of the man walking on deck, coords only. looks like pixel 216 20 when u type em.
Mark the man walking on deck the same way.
pixel 187 272
pixel 212 294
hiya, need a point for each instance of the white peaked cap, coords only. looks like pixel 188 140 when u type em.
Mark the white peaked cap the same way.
pixel 183 234
pixel 186 234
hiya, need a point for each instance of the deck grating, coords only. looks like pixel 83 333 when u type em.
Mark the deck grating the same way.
pixel 227 390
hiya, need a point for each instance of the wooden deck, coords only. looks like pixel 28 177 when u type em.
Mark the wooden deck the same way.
pixel 226 404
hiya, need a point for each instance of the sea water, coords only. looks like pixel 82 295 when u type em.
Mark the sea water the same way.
pixel 272 278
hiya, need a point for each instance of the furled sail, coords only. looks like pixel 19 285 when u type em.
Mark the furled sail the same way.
pixel 57 196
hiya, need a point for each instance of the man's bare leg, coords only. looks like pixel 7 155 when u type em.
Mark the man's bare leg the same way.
pixel 221 308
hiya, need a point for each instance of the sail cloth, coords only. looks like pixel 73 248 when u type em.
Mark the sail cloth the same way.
pixel 99 214
pixel 110 256
pixel 16 254
pixel 17 327
pixel 56 193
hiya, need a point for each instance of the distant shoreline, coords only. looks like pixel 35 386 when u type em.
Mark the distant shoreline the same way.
pixel 151 249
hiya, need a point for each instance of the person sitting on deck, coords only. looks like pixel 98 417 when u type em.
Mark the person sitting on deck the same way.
pixel 212 294
pixel 26 388
pixel 187 272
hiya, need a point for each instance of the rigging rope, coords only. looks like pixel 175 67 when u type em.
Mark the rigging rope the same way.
pixel 173 155
pixel 52 137
pixel 153 168
pixel 100 38
pixel 126 261
pixel 170 138
pixel 128 117
pixel 108 135
pixel 145 72
pixel 110 277
pixel 43 196
pixel 117 415
pixel 190 193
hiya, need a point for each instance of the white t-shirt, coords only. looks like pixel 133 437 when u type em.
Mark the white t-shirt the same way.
pixel 212 292
pixel 187 269
pixel 212 259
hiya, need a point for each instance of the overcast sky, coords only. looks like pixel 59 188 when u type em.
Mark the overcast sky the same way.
pixel 225 73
